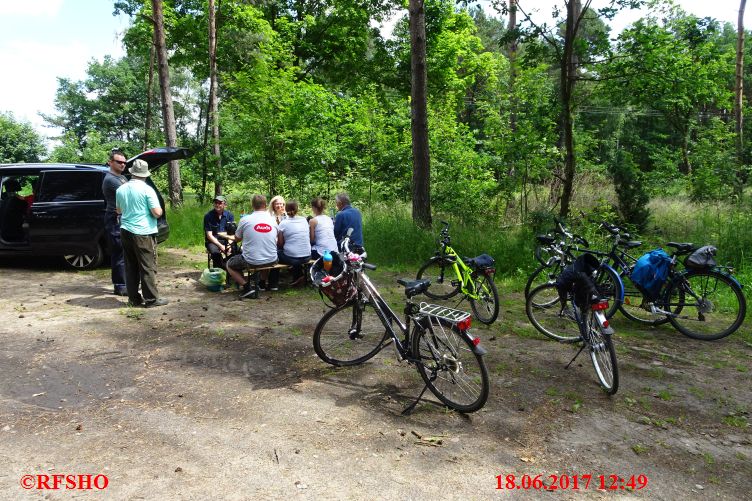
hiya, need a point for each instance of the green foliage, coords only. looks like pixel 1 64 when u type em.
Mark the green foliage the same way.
pixel 630 189
pixel 18 141
pixel 713 162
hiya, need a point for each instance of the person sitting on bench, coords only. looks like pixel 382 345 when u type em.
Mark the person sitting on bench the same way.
pixel 294 242
pixel 258 232
pixel 218 243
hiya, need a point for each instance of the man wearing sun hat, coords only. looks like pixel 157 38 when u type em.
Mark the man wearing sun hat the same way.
pixel 139 208
pixel 217 239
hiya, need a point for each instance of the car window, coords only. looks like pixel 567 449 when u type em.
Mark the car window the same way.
pixel 66 186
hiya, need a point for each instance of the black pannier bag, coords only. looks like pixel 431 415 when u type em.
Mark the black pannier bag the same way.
pixel 701 259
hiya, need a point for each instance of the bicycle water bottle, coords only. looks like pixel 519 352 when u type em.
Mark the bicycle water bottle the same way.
pixel 327 258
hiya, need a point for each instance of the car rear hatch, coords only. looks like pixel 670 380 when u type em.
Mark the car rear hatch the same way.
pixel 156 157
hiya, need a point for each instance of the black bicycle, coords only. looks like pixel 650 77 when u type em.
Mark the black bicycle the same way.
pixel 435 338
pixel 567 320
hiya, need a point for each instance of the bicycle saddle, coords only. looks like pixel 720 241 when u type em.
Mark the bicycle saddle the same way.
pixel 414 287
pixel 682 247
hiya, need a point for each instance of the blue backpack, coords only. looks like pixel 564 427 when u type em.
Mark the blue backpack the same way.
pixel 651 271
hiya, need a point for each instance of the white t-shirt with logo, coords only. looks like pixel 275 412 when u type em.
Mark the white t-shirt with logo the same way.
pixel 258 231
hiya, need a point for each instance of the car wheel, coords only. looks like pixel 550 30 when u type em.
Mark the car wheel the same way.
pixel 87 261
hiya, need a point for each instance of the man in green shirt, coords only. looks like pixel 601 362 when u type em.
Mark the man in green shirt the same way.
pixel 139 208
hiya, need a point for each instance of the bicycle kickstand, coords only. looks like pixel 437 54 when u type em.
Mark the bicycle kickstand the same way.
pixel 577 355
pixel 409 409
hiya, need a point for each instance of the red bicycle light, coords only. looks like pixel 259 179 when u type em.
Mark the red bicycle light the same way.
pixel 603 305
pixel 464 324
pixel 605 324
pixel 476 341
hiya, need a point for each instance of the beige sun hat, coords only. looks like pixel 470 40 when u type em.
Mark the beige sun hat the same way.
pixel 140 169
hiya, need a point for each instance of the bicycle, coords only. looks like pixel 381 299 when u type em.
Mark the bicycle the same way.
pixel 705 303
pixel 548 312
pixel 450 275
pixel 436 339
pixel 561 252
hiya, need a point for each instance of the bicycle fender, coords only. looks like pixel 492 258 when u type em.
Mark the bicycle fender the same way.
pixel 720 271
pixel 477 348
pixel 608 266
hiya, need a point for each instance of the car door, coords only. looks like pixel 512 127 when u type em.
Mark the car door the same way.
pixel 67 216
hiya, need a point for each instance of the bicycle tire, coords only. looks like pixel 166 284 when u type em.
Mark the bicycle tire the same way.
pixel 609 286
pixel 545 312
pixel 441 274
pixel 448 365
pixel 486 309
pixel 713 307
pixel 603 356
pixel 349 335
pixel 535 279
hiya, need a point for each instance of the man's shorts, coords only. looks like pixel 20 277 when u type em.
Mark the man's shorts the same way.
pixel 238 263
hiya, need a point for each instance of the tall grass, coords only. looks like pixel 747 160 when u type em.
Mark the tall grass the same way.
pixel 393 241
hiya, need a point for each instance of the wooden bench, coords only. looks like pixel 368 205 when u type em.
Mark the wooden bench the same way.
pixel 252 273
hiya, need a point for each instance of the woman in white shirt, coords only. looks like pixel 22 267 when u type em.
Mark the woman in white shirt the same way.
pixel 277 208
pixel 321 230
pixel 293 241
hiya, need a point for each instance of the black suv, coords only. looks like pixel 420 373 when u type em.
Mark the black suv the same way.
pixel 49 209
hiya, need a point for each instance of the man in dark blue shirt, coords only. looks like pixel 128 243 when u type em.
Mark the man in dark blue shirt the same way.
pixel 113 180
pixel 348 217
pixel 216 239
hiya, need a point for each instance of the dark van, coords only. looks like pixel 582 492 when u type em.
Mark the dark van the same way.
pixel 49 209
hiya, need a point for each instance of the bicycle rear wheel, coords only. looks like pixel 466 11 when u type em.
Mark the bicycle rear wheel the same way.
pixel 544 309
pixel 349 335
pixel 709 305
pixel 449 366
pixel 603 356
pixel 443 279
pixel 486 307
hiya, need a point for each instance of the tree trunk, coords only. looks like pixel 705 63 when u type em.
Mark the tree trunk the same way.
pixel 213 105
pixel 512 54
pixel 568 78
pixel 738 101
pixel 168 112
pixel 419 116
pixel 149 95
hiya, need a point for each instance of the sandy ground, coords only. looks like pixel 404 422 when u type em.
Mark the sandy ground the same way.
pixel 211 397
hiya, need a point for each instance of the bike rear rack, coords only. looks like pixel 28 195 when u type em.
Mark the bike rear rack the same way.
pixel 443 312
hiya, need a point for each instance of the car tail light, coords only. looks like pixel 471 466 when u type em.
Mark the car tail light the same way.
pixel 603 305
pixel 464 324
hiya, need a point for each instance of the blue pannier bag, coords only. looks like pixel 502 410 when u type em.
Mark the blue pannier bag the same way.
pixel 651 271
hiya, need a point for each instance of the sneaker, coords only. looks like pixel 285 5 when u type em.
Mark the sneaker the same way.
pixel 135 304
pixel 156 302
pixel 120 290
pixel 274 287
pixel 262 285
pixel 248 292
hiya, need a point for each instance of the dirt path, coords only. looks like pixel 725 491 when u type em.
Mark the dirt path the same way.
pixel 211 397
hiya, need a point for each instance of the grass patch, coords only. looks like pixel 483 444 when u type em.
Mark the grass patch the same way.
pixel 736 421
pixel 640 449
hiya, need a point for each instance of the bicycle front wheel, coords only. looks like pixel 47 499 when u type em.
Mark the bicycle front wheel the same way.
pixel 603 356
pixel 543 274
pixel 545 311
pixel 449 366
pixel 349 335
pixel 708 305
pixel 440 272
pixel 609 286
pixel 486 307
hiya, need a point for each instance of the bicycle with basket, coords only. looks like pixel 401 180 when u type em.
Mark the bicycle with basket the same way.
pixel 436 339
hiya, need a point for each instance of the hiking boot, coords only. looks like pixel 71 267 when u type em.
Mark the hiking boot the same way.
pixel 156 302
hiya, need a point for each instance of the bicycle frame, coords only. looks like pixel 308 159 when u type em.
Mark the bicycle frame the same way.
pixel 462 271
